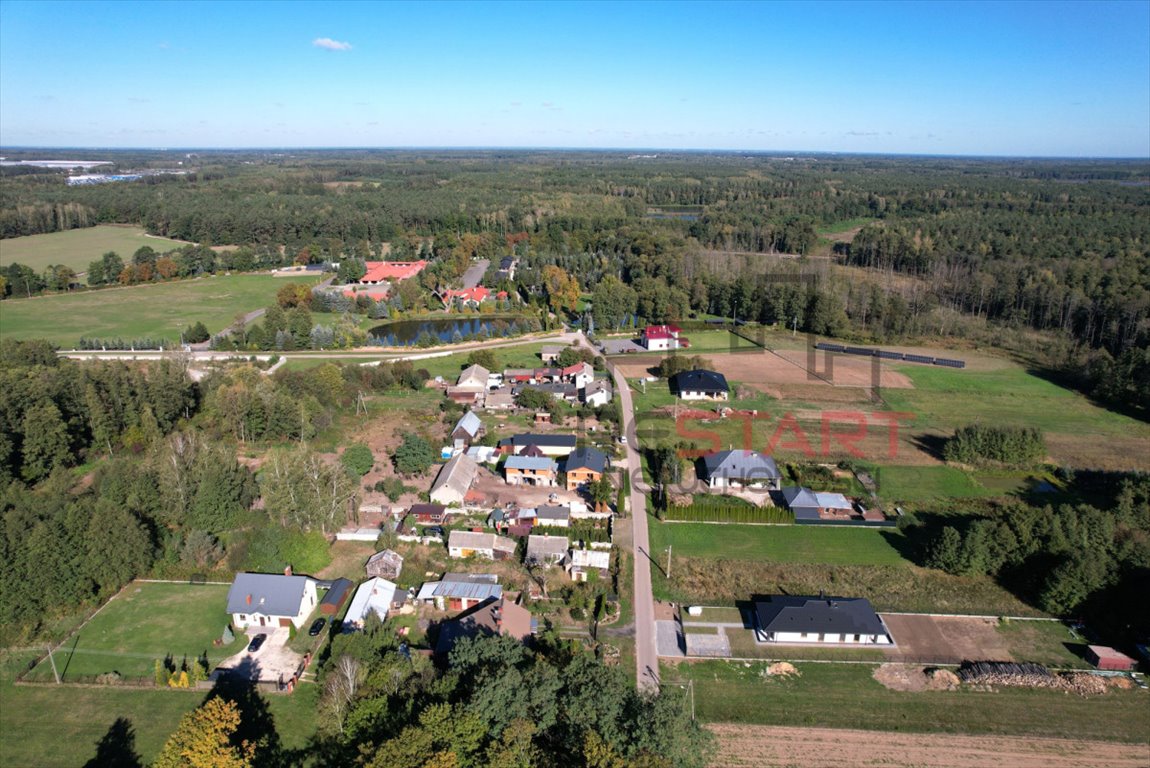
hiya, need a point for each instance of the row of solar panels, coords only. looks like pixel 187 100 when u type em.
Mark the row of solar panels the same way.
pixel 885 355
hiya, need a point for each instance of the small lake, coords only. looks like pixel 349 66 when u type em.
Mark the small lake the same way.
pixel 406 333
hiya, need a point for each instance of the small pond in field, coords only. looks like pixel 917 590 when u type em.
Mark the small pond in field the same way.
pixel 407 333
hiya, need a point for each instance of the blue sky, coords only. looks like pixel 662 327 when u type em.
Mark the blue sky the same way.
pixel 1011 78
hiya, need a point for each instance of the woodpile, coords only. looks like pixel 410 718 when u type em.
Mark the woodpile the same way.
pixel 1029 676
pixel 1006 673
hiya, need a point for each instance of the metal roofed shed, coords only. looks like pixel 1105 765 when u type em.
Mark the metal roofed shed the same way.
pixel 1105 657
pixel 375 595
pixel 336 596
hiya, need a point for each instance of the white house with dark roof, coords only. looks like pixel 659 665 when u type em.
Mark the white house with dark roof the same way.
pixel 700 384
pixel 838 620
pixel 597 393
pixel 739 469
pixel 270 600
pixel 467 430
pixel 553 516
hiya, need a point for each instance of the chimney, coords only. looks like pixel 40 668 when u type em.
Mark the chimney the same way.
pixel 249 600
pixel 287 571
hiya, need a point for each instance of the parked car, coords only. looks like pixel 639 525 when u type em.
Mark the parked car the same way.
pixel 256 643
pixel 433 530
pixel 316 627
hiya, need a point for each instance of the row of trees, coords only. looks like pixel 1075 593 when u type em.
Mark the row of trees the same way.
pixel 1013 446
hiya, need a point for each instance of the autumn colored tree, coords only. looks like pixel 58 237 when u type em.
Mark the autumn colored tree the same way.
pixel 562 289
pixel 206 738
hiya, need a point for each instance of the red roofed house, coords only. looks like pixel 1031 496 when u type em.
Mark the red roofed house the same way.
pixel 473 296
pixel 380 271
pixel 663 337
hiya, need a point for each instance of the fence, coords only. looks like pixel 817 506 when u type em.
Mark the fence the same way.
pixel 716 511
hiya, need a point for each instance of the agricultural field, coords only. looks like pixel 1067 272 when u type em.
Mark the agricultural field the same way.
pixel 828 695
pixel 161 310
pixel 51 726
pixel 145 622
pixel 76 248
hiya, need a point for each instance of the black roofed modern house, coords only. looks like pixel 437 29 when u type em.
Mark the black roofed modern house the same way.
pixel 700 384
pixel 728 470
pixel 270 599
pixel 842 620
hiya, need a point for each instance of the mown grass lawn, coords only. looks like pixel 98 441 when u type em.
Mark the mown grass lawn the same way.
pixel 778 543
pixel 157 311
pixel 846 695
pixel 145 622
pixel 51 726
pixel 1044 642
pixel 76 248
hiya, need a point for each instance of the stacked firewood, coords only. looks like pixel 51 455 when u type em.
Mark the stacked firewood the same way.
pixel 1007 673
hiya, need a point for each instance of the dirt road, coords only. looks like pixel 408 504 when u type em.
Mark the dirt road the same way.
pixel 742 746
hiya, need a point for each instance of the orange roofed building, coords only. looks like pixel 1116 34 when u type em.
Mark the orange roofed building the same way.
pixel 381 271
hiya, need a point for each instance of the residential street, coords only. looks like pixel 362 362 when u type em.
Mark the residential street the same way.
pixel 646 658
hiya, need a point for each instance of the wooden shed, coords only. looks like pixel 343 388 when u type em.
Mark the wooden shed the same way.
pixel 335 597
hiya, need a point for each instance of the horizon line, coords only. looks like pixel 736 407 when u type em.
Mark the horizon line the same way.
pixel 514 148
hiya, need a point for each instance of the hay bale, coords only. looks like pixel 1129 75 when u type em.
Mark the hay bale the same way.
pixel 782 668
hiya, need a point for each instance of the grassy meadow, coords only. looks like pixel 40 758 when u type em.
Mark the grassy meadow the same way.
pixel 76 248
pixel 821 694
pixel 160 310
pixel 51 726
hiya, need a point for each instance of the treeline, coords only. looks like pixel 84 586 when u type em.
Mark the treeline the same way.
pixel 1013 446
pixel 1070 560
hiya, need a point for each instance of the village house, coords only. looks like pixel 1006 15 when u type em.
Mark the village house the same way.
pixel 474 377
pixel 563 391
pixel 373 596
pixel 454 480
pixel 809 505
pixel 546 550
pixel 597 393
pixel 584 466
pixel 550 352
pixel 460 591
pixel 382 271
pixel 467 430
pixel 478 544
pixel 580 374
pixel 469 297
pixel 660 338
pixel 501 400
pixel 797 619
pixel 700 385
pixel 548 445
pixel 581 562
pixel 530 470
pixel 424 513
pixel 553 516
pixel 386 564
pixel 271 599
pixel 496 616
pixel 740 469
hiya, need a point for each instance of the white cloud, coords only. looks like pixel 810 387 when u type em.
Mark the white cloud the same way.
pixel 330 45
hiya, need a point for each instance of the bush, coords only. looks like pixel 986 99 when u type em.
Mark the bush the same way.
pixel 357 459
pixel 414 455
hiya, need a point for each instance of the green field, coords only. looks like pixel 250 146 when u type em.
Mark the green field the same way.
pixel 778 543
pixel 1008 395
pixel 51 726
pixel 76 248
pixel 925 483
pixel 145 622
pixel 160 310
pixel 823 694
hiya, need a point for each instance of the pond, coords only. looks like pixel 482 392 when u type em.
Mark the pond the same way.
pixel 407 333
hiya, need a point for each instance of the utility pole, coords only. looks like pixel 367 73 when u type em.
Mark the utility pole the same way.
pixel 795 327
pixel 669 560
pixel 691 686
pixel 52 661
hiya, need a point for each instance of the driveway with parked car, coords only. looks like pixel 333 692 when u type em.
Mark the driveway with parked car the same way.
pixel 268 659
